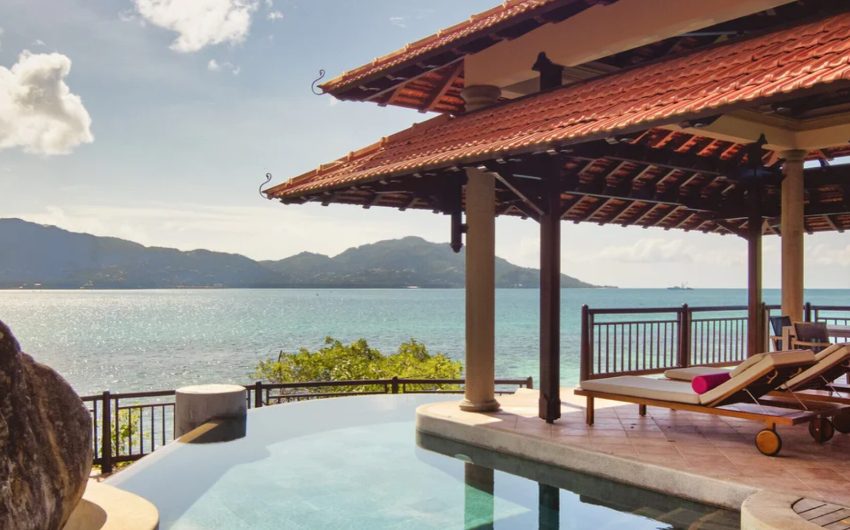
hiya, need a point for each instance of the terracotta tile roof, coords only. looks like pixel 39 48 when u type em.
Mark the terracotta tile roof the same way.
pixel 739 74
pixel 440 49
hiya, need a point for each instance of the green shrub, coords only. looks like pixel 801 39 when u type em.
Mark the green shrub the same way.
pixel 336 361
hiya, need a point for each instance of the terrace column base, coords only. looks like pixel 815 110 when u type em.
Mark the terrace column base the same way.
pixel 197 405
pixel 485 406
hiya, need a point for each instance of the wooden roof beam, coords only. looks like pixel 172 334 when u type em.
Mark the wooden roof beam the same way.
pixel 664 217
pixel 617 213
pixel 596 208
pixel 659 157
pixel 437 95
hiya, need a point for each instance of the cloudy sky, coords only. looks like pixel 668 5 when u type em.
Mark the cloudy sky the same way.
pixel 155 120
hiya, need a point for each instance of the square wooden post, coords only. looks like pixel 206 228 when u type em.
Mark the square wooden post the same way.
pixel 550 302
pixel 755 310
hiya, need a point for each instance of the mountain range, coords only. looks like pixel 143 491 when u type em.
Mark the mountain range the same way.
pixel 40 256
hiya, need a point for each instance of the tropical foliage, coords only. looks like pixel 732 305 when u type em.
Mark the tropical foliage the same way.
pixel 336 361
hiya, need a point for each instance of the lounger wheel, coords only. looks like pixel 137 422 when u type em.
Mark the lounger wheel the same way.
pixel 841 422
pixel 821 429
pixel 768 442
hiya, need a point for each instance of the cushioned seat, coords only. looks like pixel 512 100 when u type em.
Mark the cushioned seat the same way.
pixel 748 372
pixel 645 387
pixel 688 374
pixel 827 359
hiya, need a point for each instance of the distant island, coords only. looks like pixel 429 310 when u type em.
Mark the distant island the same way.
pixel 36 256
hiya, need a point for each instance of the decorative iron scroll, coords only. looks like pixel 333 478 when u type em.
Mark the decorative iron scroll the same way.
pixel 260 189
pixel 316 81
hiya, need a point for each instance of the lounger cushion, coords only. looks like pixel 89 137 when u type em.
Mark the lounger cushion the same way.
pixel 766 362
pixel 644 387
pixel 826 360
pixel 748 362
pixel 829 350
pixel 688 374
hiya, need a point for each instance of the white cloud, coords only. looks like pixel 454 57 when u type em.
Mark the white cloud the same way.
pixel 200 23
pixel 647 251
pixel 274 15
pixel 830 255
pixel 215 66
pixel 658 250
pixel 39 42
pixel 38 112
pixel 1 34
pixel 400 22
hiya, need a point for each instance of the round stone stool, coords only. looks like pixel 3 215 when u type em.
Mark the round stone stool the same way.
pixel 198 404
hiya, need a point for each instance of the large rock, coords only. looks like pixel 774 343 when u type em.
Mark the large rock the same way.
pixel 45 442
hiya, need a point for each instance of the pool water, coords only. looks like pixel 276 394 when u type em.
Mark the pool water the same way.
pixel 355 463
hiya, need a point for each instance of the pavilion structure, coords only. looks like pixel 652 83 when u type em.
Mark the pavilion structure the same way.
pixel 687 115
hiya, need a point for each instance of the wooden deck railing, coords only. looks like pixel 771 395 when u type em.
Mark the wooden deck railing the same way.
pixel 128 426
pixel 637 341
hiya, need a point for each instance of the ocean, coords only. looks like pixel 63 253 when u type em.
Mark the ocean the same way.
pixel 161 339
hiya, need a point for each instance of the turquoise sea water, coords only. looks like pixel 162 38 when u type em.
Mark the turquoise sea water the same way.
pixel 158 339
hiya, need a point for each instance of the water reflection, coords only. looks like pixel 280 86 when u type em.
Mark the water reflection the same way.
pixel 478 501
pixel 487 477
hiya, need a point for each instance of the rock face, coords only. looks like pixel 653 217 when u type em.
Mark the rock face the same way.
pixel 45 442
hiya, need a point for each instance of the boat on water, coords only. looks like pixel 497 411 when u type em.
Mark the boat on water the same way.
pixel 681 287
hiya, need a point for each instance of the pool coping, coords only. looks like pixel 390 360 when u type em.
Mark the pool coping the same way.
pixel 760 509
pixel 105 507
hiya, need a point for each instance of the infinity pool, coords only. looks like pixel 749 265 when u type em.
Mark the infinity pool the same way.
pixel 355 463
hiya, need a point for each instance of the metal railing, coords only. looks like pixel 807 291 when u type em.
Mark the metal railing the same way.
pixel 638 341
pixel 128 426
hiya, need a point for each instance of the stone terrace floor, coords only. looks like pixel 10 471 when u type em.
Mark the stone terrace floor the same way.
pixel 710 446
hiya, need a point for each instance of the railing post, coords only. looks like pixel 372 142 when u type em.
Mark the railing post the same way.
pixel 585 361
pixel 807 312
pixel 258 394
pixel 395 384
pixel 106 435
pixel 683 358
pixel 529 382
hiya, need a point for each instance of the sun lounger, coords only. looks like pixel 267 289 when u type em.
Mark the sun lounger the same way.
pixel 737 397
pixel 830 364
pixel 814 384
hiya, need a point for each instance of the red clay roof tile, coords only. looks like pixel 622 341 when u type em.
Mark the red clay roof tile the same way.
pixel 698 83
pixel 446 40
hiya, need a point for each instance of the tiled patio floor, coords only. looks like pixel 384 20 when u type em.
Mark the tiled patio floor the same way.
pixel 721 448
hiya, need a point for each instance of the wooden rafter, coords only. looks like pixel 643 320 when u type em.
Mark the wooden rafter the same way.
pixel 453 71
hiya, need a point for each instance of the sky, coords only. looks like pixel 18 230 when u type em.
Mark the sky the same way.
pixel 156 121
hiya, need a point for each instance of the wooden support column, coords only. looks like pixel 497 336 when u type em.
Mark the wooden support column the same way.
pixel 791 226
pixel 478 499
pixel 550 302
pixel 479 393
pixel 755 313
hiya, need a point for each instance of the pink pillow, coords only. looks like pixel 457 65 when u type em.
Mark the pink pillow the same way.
pixel 703 383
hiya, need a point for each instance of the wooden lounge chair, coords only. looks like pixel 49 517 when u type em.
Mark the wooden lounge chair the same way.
pixel 810 335
pixel 814 384
pixel 829 365
pixel 737 397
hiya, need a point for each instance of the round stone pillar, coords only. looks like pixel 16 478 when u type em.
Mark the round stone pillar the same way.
pixel 196 405
pixel 792 230
pixel 480 96
pixel 479 391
